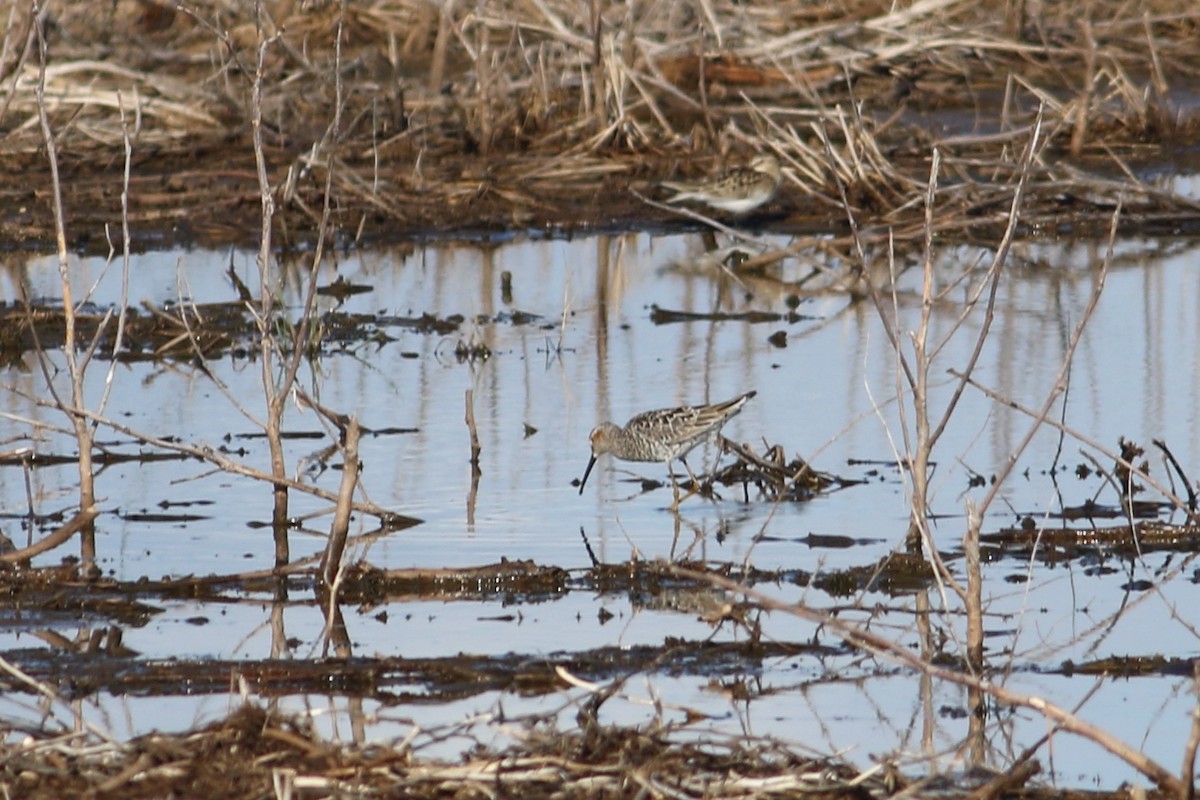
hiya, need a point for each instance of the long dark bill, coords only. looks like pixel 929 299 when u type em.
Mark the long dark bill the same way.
pixel 587 472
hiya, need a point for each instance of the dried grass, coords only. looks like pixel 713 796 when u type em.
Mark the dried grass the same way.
pixel 257 754
pixel 519 110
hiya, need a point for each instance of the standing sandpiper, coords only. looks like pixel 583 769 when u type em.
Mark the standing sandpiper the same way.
pixel 663 435
pixel 738 191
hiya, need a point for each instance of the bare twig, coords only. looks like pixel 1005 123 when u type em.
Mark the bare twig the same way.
pixel 83 434
pixel 1040 417
pixel 1183 478
pixel 475 450
pixel 226 464
pixel 339 529
pixel 1188 771
pixel 1060 383
pixel 266 319
pixel 900 653
pixel 73 526
pixel 123 302
pixel 471 429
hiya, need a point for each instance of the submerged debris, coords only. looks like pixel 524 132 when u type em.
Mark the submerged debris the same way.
pixel 1060 542
pixel 664 316
pixel 183 331
pixel 776 478
pixel 258 753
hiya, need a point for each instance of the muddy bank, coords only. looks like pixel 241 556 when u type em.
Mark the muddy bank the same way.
pixel 424 121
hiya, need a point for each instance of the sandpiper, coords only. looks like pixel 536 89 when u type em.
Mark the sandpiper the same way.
pixel 663 435
pixel 738 191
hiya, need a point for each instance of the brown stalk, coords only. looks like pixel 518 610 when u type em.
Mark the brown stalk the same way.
pixel 598 71
pixel 275 399
pixel 919 455
pixel 437 66
pixel 1183 478
pixel 122 315
pixel 973 601
pixel 475 450
pixel 83 433
pixel 993 277
pixel 301 333
pixel 339 529
pixel 1083 102
pixel 277 391
pixel 76 524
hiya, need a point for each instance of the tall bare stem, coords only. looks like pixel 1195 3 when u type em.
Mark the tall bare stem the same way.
pixel 83 432
pixel 266 319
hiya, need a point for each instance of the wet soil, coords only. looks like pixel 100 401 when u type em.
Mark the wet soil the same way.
pixel 410 127
pixel 212 199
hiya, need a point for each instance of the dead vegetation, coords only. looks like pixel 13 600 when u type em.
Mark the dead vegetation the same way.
pixel 390 117
pixel 260 751
pixel 455 116
pixel 185 331
pixel 256 753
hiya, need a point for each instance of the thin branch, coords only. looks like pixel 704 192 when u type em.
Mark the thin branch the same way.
pixel 902 654
pixel 1060 383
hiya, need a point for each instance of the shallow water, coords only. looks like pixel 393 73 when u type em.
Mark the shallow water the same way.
pixel 593 352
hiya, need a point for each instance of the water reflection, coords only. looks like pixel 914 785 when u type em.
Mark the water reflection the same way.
pixel 572 338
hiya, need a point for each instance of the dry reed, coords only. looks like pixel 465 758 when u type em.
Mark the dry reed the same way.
pixel 524 111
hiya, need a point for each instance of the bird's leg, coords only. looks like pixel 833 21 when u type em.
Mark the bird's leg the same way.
pixel 695 483
pixel 674 487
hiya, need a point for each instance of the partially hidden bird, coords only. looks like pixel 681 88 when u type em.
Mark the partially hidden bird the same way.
pixel 665 434
pixel 738 191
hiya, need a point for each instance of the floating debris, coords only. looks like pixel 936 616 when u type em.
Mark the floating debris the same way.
pixel 664 316
pixel 342 288
pixel 776 477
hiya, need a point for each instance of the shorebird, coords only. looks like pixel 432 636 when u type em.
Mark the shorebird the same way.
pixel 738 191
pixel 665 435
